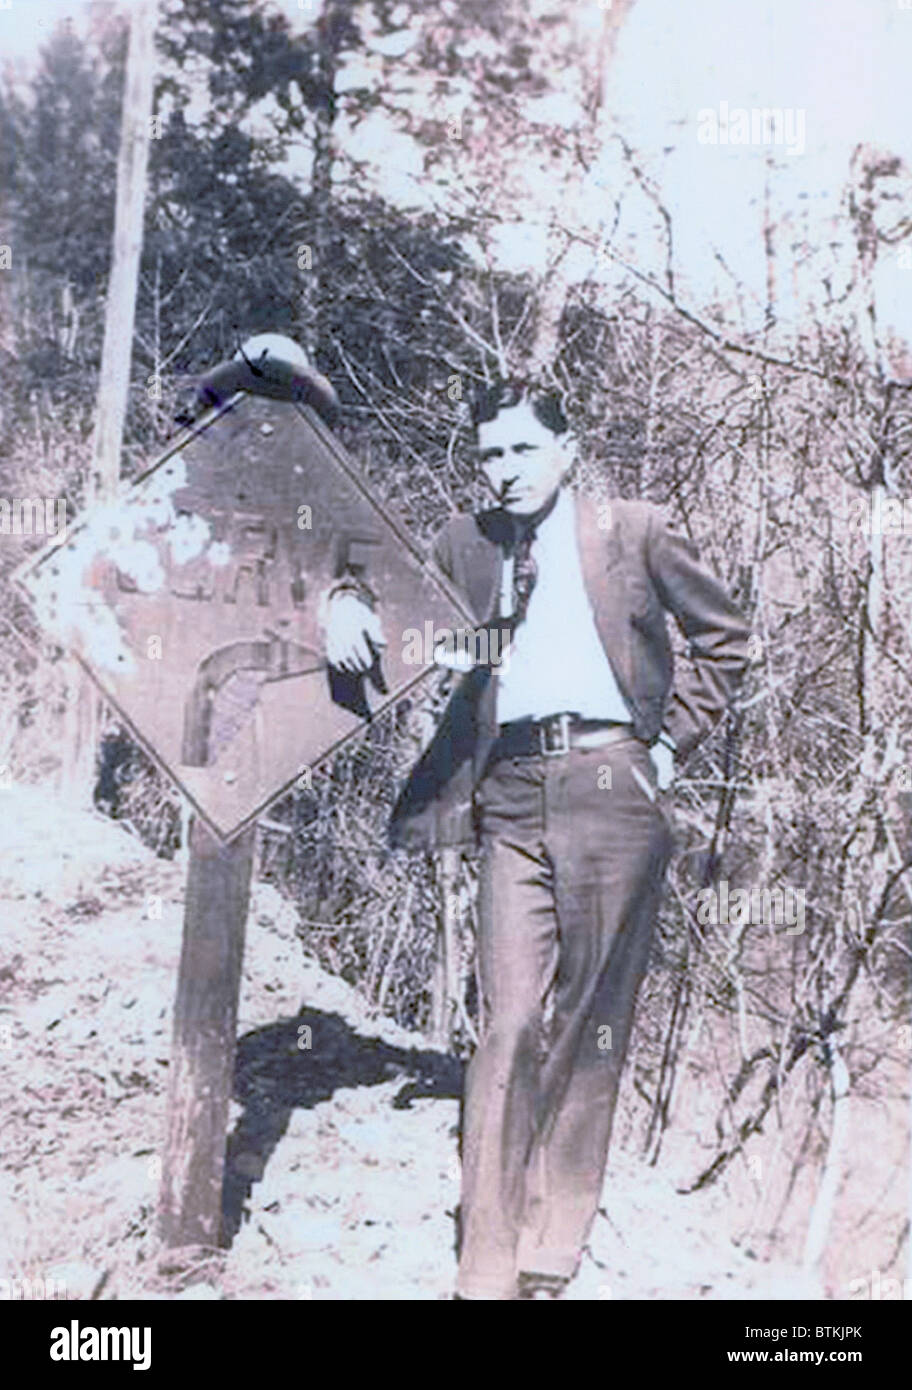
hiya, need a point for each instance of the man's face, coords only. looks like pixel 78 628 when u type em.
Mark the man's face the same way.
pixel 521 459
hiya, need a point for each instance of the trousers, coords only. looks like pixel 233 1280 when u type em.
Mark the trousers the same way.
pixel 574 852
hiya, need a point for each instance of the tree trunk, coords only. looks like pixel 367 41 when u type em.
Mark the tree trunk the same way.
pixel 446 965
pixel 319 284
pixel 822 1211
pixel 556 283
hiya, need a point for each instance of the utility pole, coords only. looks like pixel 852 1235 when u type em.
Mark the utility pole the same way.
pixel 114 382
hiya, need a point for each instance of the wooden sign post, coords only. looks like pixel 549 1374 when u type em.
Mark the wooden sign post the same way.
pixel 203 1046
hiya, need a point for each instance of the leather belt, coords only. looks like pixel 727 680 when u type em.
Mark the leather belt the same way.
pixel 554 736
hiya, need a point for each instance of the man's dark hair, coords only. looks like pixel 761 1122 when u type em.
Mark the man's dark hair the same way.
pixel 490 398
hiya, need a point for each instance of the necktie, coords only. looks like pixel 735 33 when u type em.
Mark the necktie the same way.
pixel 525 575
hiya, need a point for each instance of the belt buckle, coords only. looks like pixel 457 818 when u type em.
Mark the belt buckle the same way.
pixel 562 724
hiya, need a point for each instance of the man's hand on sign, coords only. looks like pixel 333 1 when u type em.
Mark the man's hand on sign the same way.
pixel 354 637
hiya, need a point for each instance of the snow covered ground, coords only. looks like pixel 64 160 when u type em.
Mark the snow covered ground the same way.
pixel 343 1169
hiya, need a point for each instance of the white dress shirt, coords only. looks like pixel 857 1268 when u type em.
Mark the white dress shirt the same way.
pixel 556 661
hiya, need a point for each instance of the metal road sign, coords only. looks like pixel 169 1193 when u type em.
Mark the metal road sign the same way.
pixel 193 603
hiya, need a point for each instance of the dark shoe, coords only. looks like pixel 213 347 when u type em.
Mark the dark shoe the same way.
pixel 542 1287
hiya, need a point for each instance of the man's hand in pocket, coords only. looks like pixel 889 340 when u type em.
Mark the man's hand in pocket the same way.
pixel 663 762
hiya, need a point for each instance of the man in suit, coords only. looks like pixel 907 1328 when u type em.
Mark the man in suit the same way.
pixel 556 758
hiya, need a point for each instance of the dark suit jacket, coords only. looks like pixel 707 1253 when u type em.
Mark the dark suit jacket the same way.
pixel 636 570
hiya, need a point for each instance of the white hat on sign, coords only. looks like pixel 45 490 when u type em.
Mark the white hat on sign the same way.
pixel 269 364
pixel 274 346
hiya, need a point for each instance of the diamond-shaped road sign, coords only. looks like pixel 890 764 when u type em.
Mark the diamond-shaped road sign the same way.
pixel 193 603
